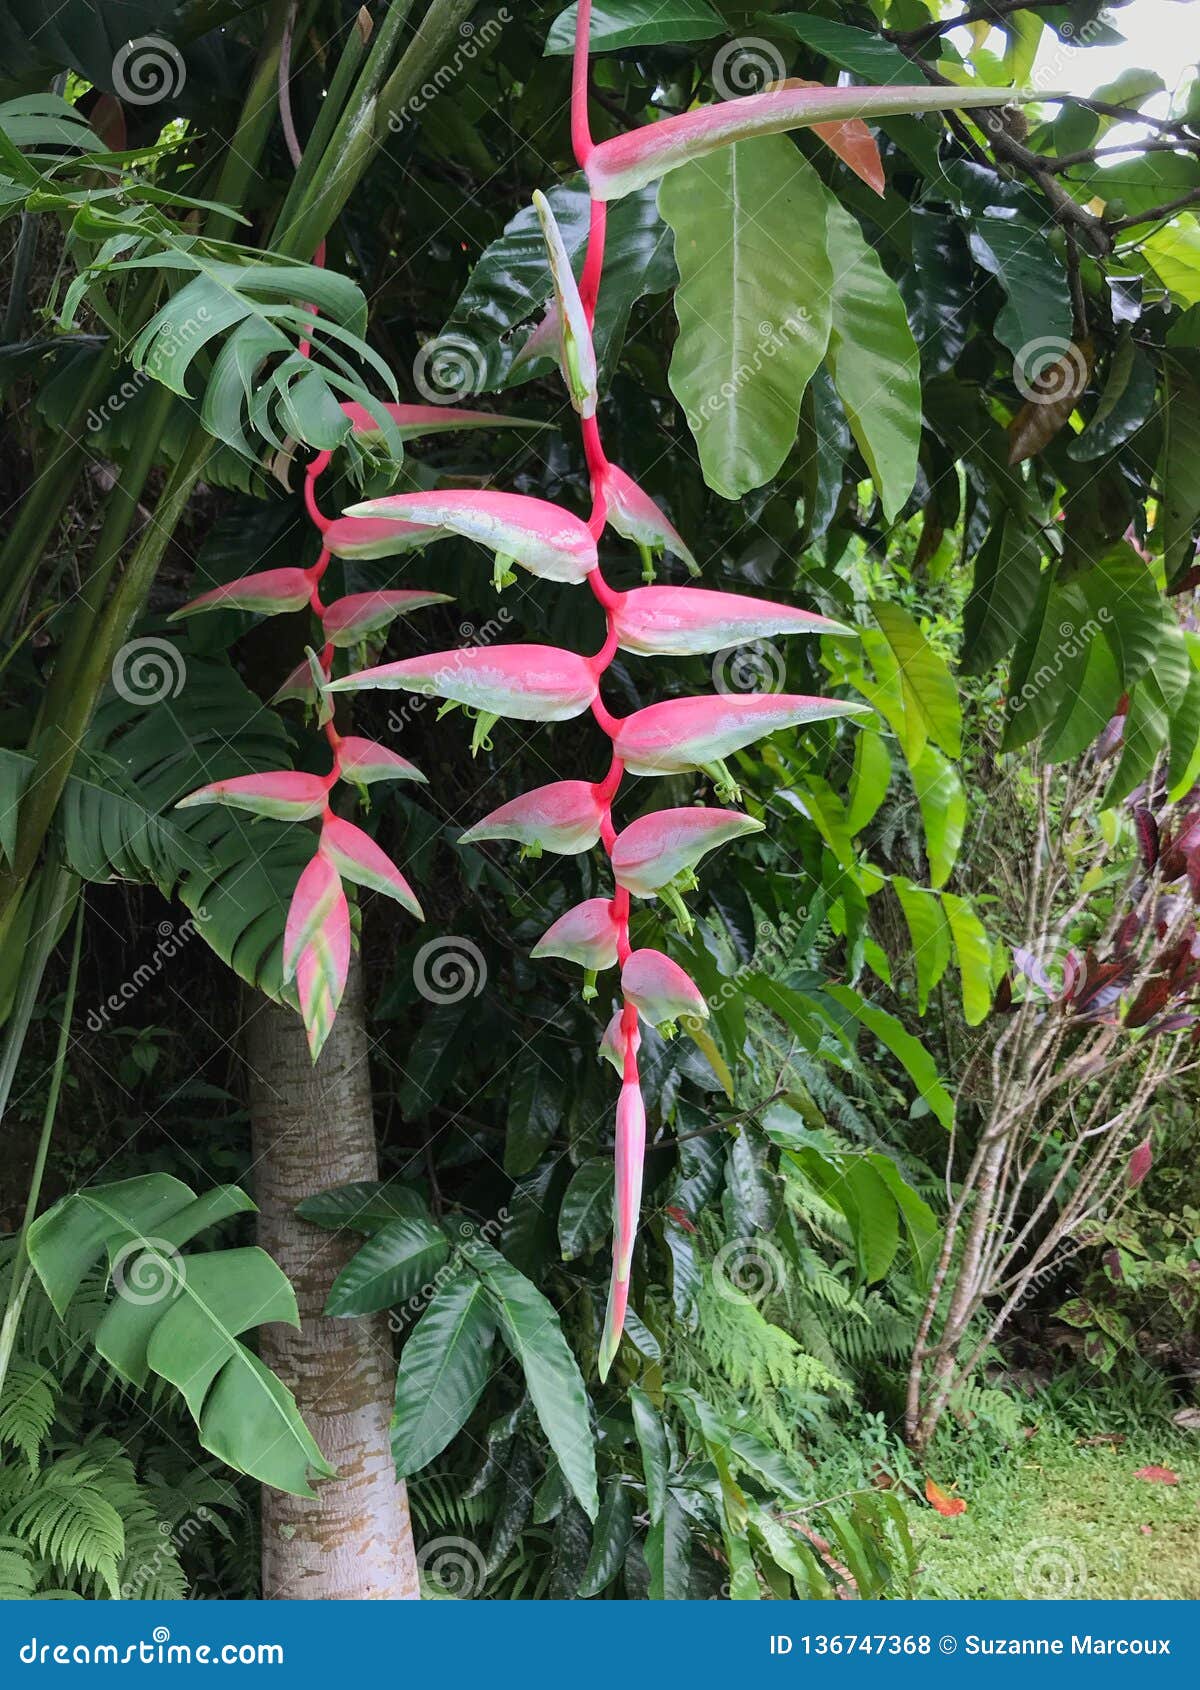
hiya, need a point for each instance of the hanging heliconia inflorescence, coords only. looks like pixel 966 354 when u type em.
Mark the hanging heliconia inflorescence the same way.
pixel 655 856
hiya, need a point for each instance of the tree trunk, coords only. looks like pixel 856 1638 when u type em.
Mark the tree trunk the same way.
pixel 314 1128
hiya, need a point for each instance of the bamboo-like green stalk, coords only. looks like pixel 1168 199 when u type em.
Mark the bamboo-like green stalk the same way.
pixel 438 28
pixel 60 888
pixel 321 188
pixel 254 125
pixel 352 56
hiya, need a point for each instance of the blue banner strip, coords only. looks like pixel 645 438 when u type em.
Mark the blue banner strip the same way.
pixel 578 1645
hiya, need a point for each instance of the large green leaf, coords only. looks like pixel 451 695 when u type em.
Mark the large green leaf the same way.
pixel 1036 315
pixel 1179 469
pixel 1003 593
pixel 258 312
pixel 669 1553
pixel 444 1367
pixel 974 955
pixel 656 1458
pixel 392 1266
pixel 636 23
pixel 929 933
pixel 585 1216
pixel 179 1316
pixel 909 1052
pixel 873 360
pixel 753 303
pixel 610 1540
pixel 925 679
pixel 531 1329
pixel 943 804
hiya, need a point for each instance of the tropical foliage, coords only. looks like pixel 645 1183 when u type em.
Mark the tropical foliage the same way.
pixel 835 324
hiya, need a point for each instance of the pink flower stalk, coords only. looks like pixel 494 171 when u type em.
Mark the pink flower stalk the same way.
pixel 656 855
pixel 316 943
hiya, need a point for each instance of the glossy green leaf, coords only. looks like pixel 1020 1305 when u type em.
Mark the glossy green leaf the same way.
pixel 1037 309
pixel 1179 467
pixel 909 1052
pixel 636 23
pixel 444 1367
pixel 1127 401
pixel 974 953
pixel 652 1441
pixel 186 1333
pixel 943 805
pixel 531 1329
pixel 585 1218
pixel 395 1264
pixel 1003 594
pixel 925 679
pixel 869 779
pixel 873 360
pixel 753 303
pixel 929 933
pixel 669 1554
pixel 361 1206
pixel 611 1539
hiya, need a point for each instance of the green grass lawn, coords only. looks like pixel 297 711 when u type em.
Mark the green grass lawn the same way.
pixel 1054 1518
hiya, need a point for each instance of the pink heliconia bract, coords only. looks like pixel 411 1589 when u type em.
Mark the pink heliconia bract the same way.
pixel 413 422
pixel 270 592
pixel 690 733
pixel 587 934
pixel 351 619
pixel 364 762
pixel 630 1155
pixel 360 537
pixel 577 354
pixel 630 161
pixel 636 517
pixel 357 857
pixel 659 989
pixel 321 975
pixel 690 621
pixel 532 683
pixel 612 1043
pixel 281 793
pixel 656 848
pixel 543 538
pixel 564 817
pixel 317 892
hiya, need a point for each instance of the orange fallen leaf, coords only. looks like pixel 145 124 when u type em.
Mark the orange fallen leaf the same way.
pixel 849 138
pixel 1157 1475
pixel 950 1506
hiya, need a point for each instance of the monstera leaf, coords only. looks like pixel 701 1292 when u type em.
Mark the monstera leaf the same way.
pixel 179 1316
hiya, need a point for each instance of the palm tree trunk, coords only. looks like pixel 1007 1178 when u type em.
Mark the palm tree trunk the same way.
pixel 313 1127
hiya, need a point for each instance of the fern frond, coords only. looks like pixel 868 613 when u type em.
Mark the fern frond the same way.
pixel 27 1408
